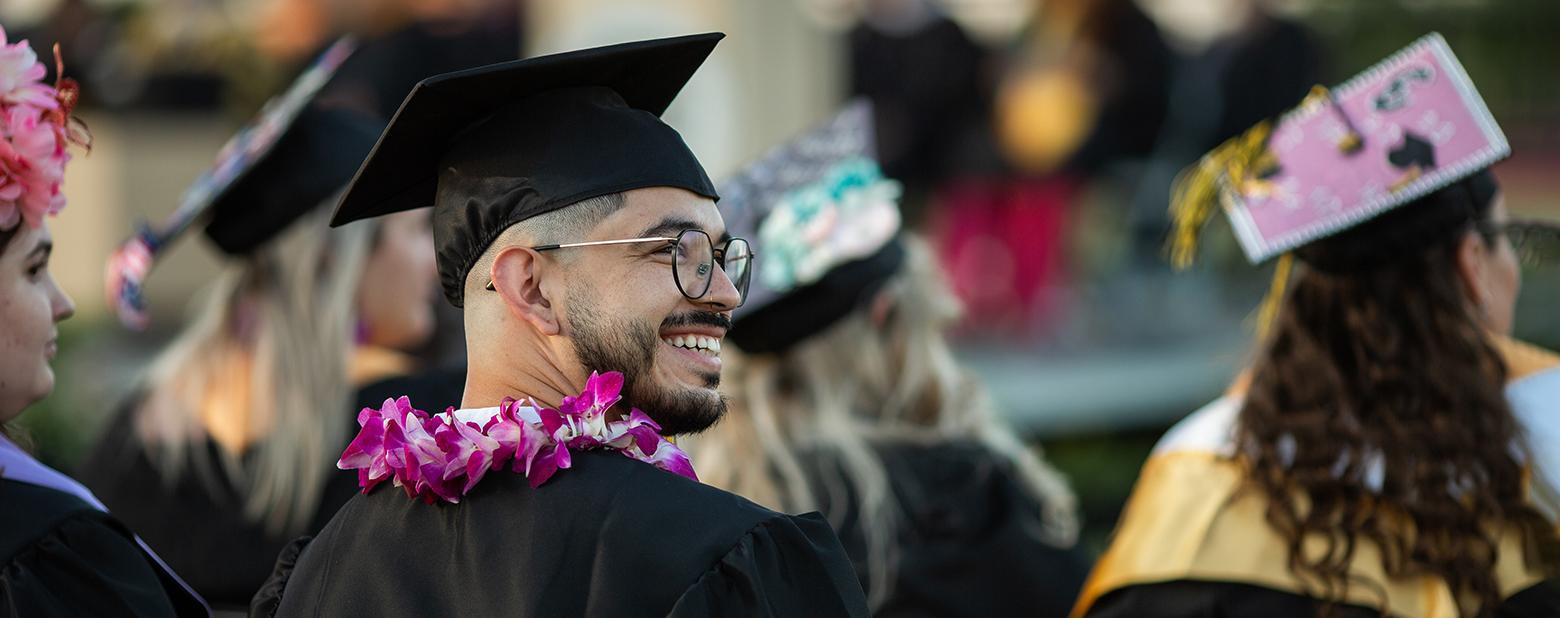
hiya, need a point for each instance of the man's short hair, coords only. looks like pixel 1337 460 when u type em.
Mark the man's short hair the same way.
pixel 564 225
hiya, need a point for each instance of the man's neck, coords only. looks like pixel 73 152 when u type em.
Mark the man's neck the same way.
pixel 524 375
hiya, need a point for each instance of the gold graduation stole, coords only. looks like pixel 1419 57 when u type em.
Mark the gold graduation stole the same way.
pixel 1187 520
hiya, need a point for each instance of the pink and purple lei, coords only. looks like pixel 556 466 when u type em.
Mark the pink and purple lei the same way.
pixel 441 456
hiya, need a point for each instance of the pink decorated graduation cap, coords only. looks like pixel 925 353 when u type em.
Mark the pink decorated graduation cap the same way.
pixel 1404 128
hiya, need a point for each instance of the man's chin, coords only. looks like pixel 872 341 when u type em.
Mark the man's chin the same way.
pixel 687 410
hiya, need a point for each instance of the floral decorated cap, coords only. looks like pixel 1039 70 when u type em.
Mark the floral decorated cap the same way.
pixel 36 126
pixel 824 223
pixel 280 166
pixel 1408 126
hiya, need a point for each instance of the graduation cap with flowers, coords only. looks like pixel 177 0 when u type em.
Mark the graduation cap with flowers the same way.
pixel 825 222
pixel 275 169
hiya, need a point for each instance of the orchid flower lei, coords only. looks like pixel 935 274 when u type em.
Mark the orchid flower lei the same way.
pixel 35 127
pixel 441 457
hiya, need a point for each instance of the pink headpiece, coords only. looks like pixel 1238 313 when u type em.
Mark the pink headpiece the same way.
pixel 35 128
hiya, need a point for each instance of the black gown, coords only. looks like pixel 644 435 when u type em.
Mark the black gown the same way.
pixel 62 557
pixel 197 525
pixel 610 536
pixel 1211 599
pixel 970 541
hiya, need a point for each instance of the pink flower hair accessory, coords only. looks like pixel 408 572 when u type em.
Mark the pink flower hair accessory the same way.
pixel 35 127
pixel 442 457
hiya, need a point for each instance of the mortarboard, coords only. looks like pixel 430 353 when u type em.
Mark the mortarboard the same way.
pixel 280 166
pixel 826 224
pixel 1407 127
pixel 492 146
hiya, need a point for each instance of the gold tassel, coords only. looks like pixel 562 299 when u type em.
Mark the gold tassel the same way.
pixel 1195 193
pixel 1240 163
pixel 1268 314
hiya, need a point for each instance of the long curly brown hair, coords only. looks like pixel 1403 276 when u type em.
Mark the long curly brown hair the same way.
pixel 1377 410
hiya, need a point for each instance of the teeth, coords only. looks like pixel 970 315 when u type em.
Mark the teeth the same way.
pixel 708 345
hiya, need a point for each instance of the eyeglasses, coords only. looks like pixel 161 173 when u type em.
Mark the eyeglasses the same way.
pixel 694 256
pixel 1536 243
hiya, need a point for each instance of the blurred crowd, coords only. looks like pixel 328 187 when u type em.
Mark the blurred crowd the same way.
pixel 1036 144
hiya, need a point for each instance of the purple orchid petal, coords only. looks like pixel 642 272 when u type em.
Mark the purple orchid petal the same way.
pixel 637 417
pixel 545 465
pixel 602 390
pixel 552 420
pixel 672 459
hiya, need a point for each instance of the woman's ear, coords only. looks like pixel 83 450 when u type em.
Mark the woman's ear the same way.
pixel 882 308
pixel 517 274
pixel 1472 255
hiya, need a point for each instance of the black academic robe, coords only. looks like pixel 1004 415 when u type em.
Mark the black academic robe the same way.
pixel 970 540
pixel 198 524
pixel 610 536
pixel 1198 599
pixel 59 556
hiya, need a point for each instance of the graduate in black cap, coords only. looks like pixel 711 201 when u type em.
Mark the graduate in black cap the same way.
pixel 846 397
pixel 225 450
pixel 582 239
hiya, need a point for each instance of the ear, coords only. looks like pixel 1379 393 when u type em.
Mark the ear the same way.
pixel 1472 254
pixel 882 306
pixel 517 274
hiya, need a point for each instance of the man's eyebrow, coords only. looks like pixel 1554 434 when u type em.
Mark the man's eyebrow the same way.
pixel 672 226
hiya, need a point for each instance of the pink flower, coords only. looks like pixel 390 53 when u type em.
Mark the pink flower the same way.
pixel 21 76
pixel 469 451
pixel 366 453
pixel 518 440
pixel 33 136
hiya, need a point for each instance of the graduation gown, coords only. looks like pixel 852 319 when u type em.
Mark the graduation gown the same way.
pixel 197 524
pixel 610 536
pixel 969 530
pixel 1190 544
pixel 61 554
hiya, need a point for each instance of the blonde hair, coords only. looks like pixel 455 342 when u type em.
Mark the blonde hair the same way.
pixel 859 382
pixel 268 348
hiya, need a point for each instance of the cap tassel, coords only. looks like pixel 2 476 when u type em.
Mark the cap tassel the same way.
pixel 1268 313
pixel 1196 190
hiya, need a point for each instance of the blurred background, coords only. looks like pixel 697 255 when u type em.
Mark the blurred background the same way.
pixel 1037 140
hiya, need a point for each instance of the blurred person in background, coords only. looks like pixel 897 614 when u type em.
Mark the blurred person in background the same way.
pixel 401 42
pixel 225 450
pixel 1081 99
pixel 1235 62
pixel 61 552
pixel 846 398
pixel 929 84
pixel 1391 450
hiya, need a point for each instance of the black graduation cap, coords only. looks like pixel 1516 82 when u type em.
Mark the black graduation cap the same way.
pixel 495 145
pixel 280 166
pixel 313 161
pixel 825 225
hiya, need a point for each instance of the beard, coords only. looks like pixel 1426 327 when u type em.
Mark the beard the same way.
pixel 629 346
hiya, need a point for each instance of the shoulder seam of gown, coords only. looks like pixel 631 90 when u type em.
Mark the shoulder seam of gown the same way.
pixel 54 528
pixel 712 567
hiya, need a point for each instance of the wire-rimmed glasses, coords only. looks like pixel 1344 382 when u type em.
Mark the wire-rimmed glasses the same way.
pixel 694 256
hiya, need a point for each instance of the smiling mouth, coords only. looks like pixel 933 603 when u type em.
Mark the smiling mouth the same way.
pixel 702 344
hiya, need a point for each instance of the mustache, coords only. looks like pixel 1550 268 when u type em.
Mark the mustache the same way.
pixel 698 318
